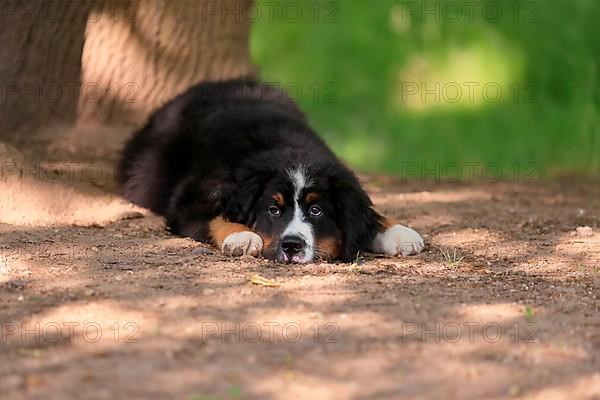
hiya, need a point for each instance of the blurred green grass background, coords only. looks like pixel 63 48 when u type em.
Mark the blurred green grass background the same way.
pixel 360 71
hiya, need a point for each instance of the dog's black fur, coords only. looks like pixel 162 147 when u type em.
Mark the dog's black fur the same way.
pixel 217 149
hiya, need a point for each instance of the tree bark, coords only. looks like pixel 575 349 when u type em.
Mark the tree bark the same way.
pixel 79 76
pixel 40 56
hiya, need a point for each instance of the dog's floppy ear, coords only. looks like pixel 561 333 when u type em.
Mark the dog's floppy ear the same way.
pixel 357 219
pixel 250 185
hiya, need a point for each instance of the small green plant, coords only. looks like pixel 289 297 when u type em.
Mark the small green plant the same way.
pixel 288 359
pixel 529 313
pixel 359 260
pixel 591 269
pixel 452 259
pixel 234 392
pixel 357 263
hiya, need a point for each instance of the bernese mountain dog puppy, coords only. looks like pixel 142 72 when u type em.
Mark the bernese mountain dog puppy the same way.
pixel 235 163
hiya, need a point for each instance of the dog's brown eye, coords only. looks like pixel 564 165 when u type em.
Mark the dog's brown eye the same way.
pixel 274 211
pixel 315 211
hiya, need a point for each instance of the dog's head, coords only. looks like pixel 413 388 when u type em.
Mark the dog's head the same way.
pixel 304 213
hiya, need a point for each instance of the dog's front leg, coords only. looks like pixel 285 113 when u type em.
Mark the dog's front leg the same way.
pixel 395 239
pixel 234 239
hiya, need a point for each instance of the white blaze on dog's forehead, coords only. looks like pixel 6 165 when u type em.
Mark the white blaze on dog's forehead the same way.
pixel 300 180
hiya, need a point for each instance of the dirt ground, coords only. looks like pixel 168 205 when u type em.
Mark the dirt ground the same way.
pixel 100 302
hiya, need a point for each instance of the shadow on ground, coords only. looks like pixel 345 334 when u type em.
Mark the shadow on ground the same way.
pixel 502 304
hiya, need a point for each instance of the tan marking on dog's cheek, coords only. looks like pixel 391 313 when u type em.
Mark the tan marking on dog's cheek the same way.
pixel 278 197
pixel 269 241
pixel 311 197
pixel 329 248
pixel 219 229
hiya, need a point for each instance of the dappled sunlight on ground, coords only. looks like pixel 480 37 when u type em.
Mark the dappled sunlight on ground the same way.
pixel 46 194
pixel 502 304
pixel 587 388
pixel 450 196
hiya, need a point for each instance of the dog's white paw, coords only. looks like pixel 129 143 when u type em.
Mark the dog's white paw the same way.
pixel 398 239
pixel 242 243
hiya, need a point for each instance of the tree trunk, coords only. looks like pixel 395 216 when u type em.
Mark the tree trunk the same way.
pixel 79 76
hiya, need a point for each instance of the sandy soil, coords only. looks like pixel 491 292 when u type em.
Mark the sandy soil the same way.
pixel 97 301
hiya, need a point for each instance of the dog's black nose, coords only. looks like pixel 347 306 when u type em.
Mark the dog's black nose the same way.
pixel 292 245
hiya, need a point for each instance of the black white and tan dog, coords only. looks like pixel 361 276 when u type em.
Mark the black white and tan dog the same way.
pixel 236 164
